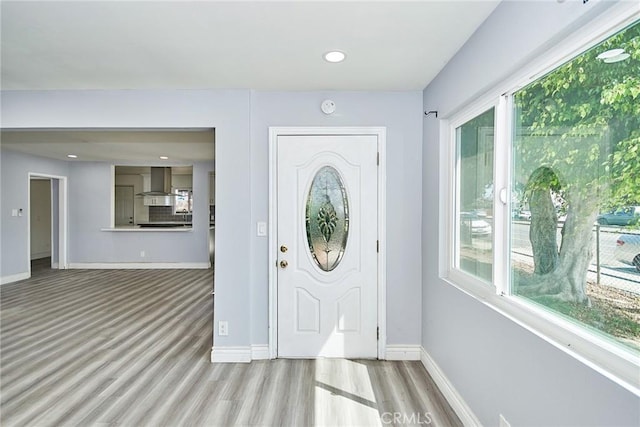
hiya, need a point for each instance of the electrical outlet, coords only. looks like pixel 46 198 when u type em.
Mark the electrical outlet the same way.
pixel 504 422
pixel 142 254
pixel 223 328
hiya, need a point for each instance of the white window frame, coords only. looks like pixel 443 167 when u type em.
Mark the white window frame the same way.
pixel 455 272
pixel 612 360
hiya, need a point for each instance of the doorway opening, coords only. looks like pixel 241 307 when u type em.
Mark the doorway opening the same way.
pixel 47 230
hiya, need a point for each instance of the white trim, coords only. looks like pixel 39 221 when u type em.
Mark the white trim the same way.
pixel 403 352
pixel 382 236
pixel 459 406
pixel 138 265
pixel 112 199
pixel 229 354
pixel 55 266
pixel 273 230
pixel 14 277
pixel 501 182
pixel 381 134
pixel 445 221
pixel 259 351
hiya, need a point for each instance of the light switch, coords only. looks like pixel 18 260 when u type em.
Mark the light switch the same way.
pixel 262 228
pixel 14 212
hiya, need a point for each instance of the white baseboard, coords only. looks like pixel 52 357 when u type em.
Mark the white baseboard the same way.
pixel 259 352
pixel 456 401
pixel 14 278
pixel 137 265
pixel 55 265
pixel 403 352
pixel 231 354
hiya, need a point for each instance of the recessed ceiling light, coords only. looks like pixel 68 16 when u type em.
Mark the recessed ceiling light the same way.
pixel 611 53
pixel 164 158
pixel 334 56
pixel 72 156
pixel 616 58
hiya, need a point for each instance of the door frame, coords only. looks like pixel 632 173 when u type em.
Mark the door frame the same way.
pixel 381 134
pixel 63 221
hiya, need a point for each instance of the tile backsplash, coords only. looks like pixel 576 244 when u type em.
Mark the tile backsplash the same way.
pixel 166 213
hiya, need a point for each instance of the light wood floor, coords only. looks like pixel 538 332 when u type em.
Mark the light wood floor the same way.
pixel 131 348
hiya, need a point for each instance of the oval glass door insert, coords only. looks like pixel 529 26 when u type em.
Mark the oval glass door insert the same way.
pixel 327 218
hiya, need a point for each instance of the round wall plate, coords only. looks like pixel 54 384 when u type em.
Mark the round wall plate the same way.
pixel 328 106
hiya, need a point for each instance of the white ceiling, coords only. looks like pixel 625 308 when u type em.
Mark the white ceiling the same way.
pixel 261 45
pixel 125 145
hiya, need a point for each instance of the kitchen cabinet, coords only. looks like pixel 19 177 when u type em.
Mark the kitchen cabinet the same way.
pixel 158 200
pixel 212 188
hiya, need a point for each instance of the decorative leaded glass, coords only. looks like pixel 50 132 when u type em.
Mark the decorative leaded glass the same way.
pixel 327 218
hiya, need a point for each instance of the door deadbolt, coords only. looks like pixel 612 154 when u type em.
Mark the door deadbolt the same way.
pixel 283 249
pixel 283 264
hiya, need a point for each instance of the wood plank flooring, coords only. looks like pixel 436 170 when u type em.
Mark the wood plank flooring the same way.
pixel 131 348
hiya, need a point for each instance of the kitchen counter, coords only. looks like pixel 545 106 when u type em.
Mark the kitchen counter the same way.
pixel 171 226
pixel 164 224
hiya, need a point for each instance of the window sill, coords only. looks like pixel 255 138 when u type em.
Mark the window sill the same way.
pixel 609 359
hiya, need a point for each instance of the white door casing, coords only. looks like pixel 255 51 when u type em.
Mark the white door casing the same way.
pixel 314 312
pixel 62 215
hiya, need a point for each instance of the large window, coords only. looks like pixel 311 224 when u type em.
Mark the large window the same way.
pixel 563 160
pixel 474 142
pixel 576 152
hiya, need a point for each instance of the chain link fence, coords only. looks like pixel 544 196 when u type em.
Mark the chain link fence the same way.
pixel 614 251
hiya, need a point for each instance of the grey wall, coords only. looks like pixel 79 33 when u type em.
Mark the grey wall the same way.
pixel 241 120
pixel 226 111
pixel 497 366
pixel 401 113
pixel 90 209
pixel 15 185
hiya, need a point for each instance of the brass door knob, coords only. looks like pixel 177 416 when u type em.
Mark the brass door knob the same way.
pixel 283 249
pixel 283 264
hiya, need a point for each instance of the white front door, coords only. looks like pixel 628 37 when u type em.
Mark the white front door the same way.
pixel 327 232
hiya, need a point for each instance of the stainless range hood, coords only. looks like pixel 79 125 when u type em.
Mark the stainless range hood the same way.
pixel 160 183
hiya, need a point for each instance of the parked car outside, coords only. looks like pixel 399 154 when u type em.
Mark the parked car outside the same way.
pixel 628 249
pixel 521 214
pixel 623 216
pixel 478 225
pixel 525 214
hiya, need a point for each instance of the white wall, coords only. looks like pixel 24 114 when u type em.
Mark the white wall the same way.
pixel 401 113
pixel 496 365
